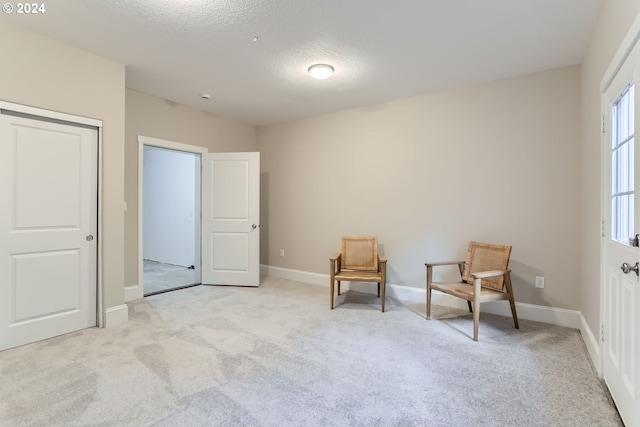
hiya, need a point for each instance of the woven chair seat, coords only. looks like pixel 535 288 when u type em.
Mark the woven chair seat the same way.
pixel 465 291
pixel 359 276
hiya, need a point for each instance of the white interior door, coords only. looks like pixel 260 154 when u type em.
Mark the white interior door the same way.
pixel 621 328
pixel 48 226
pixel 231 219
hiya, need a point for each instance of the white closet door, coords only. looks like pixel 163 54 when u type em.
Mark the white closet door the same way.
pixel 48 226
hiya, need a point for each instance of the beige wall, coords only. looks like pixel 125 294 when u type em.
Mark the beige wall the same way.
pixel 495 162
pixel 43 73
pixel 614 22
pixel 157 118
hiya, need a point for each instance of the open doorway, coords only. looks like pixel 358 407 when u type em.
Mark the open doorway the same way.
pixel 170 219
pixel 231 185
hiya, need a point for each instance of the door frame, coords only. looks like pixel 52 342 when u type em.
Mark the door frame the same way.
pixel 85 121
pixel 138 292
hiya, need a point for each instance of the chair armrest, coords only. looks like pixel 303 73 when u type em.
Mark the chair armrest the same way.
pixel 435 264
pixel 382 266
pixel 335 262
pixel 491 273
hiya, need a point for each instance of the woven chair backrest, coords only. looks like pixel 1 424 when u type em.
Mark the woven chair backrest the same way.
pixel 359 253
pixel 486 257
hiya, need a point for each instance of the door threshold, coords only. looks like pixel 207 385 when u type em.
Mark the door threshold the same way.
pixel 171 289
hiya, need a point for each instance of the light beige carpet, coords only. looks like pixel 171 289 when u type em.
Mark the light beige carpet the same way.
pixel 277 356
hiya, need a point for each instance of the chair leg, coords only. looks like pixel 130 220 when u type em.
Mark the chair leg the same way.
pixel 378 289
pixel 477 284
pixel 470 307
pixel 476 318
pixel 384 285
pixel 338 287
pixel 332 290
pixel 429 275
pixel 512 301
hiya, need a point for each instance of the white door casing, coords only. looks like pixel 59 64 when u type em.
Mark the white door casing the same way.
pixel 621 296
pixel 231 219
pixel 48 229
pixel 137 291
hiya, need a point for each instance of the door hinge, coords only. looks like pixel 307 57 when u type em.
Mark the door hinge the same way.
pixel 602 332
pixel 604 130
pixel 602 228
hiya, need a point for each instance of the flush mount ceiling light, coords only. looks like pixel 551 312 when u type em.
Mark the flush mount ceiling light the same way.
pixel 320 71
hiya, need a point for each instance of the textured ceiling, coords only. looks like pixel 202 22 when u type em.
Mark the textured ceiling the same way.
pixel 381 49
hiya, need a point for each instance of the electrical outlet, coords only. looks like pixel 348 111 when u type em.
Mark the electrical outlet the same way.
pixel 539 282
pixel 282 253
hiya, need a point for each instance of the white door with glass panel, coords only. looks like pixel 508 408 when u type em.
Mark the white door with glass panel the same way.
pixel 231 219
pixel 621 321
pixel 48 226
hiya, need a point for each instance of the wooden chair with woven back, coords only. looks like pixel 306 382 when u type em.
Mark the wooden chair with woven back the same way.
pixel 359 261
pixel 485 276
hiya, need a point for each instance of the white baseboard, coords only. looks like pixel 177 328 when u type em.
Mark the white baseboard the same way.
pixel 116 315
pixel 297 275
pixel 592 344
pixel 413 295
pixel 133 292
